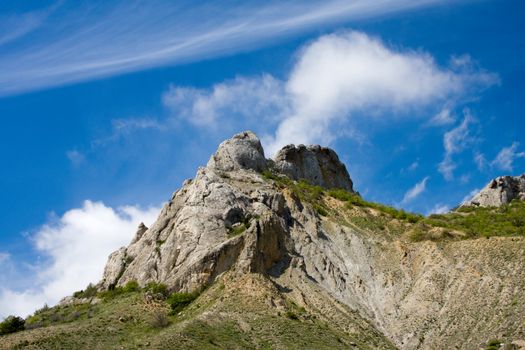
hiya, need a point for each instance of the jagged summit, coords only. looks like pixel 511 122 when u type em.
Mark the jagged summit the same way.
pixel 315 164
pixel 190 244
pixel 318 165
pixel 498 191
pixel 242 151
pixel 354 267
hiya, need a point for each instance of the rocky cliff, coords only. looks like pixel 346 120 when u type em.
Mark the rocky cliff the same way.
pixel 236 219
pixel 498 191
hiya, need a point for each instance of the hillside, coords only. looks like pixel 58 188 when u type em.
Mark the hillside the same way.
pixel 283 254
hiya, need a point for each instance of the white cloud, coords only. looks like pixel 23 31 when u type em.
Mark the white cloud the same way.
pixel 415 191
pixel 124 126
pixel 444 117
pixel 439 209
pixel 455 141
pixel 101 39
pixel 16 26
pixel 75 157
pixel 259 98
pixel 333 77
pixel 75 248
pixel 480 160
pixel 4 257
pixel 506 157
pixel 413 166
pixel 344 73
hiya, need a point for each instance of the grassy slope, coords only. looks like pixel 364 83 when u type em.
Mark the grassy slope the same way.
pixel 469 222
pixel 225 318
pixel 245 313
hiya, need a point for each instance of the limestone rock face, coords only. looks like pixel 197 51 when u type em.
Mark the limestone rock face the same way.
pixel 231 220
pixel 500 190
pixel 242 151
pixel 318 165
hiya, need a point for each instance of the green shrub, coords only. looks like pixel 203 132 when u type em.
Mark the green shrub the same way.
pixel 268 175
pixel 340 194
pixel 237 230
pixel 493 344
pixel 159 319
pixel 12 324
pixel 320 210
pixel 89 292
pixel 507 220
pixel 131 286
pixel 111 293
pixel 291 315
pixel 43 309
pixel 179 301
pixel 157 288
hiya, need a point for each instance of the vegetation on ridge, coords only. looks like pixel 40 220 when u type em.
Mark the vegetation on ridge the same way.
pixel 506 220
pixel 472 222
pixel 225 316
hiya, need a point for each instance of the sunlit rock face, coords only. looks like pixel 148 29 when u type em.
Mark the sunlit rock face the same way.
pixel 501 190
pixel 232 219
pixel 315 164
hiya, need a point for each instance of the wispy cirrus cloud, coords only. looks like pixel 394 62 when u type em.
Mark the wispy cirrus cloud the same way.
pixel 455 141
pixel 415 191
pixel 16 26
pixel 506 156
pixel 87 41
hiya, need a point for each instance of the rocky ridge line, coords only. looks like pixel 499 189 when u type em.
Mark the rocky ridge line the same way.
pixel 499 191
pixel 229 218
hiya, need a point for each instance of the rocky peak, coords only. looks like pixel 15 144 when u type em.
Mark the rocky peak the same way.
pixel 242 151
pixel 318 165
pixel 498 191
pixel 230 221
pixel 315 164
pixel 197 234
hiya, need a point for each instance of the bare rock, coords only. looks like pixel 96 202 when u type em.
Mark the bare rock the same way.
pixel 500 190
pixel 315 164
pixel 140 232
pixel 242 151
pixel 419 295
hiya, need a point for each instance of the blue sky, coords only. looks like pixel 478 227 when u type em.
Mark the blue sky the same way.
pixel 107 107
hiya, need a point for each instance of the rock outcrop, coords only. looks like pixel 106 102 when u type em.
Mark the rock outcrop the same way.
pixel 191 242
pixel 501 190
pixel 242 151
pixel 315 164
pixel 231 219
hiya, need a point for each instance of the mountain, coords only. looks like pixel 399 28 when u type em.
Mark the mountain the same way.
pixel 285 254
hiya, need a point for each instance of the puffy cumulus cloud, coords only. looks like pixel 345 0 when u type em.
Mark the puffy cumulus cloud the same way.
pixel 415 191
pixel 506 157
pixel 75 248
pixel 333 78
